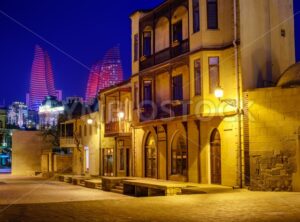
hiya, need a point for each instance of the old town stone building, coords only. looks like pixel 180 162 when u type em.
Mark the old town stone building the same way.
pixel 196 107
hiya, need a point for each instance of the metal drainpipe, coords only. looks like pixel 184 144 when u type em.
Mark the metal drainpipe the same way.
pixel 100 145
pixel 240 161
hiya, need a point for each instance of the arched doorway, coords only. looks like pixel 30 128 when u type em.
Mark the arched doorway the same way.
pixel 215 157
pixel 179 166
pixel 150 157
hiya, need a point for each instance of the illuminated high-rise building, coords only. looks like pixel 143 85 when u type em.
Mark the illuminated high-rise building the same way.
pixel 42 80
pixel 105 73
pixel 93 82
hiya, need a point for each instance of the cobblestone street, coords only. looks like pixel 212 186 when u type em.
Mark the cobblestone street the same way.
pixel 39 200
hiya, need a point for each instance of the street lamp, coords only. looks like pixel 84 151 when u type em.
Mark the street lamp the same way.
pixel 219 93
pixel 90 121
pixel 121 115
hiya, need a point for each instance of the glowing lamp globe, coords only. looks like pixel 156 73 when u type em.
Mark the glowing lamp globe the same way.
pixel 121 115
pixel 219 93
pixel 90 121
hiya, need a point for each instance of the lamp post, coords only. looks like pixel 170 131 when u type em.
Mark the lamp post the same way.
pixel 219 93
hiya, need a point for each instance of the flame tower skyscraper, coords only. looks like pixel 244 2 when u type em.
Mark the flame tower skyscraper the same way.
pixel 105 73
pixel 42 80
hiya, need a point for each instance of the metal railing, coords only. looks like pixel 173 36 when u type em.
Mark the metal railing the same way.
pixel 165 54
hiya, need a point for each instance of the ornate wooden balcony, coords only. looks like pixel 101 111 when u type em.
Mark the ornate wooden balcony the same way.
pixel 147 62
pixel 69 142
pixel 181 48
pixel 166 54
pixel 118 127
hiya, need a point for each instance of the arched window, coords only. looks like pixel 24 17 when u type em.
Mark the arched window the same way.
pixel 179 156
pixel 147 41
pixel 150 157
pixel 180 24
pixel 162 34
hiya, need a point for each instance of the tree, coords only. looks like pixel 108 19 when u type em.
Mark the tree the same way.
pixel 51 134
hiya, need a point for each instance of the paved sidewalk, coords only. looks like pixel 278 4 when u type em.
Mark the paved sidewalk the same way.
pixel 242 206
pixel 25 190
pixel 55 201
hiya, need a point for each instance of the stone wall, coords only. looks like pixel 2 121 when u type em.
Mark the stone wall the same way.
pixel 62 163
pixel 27 147
pixel 273 172
pixel 274 123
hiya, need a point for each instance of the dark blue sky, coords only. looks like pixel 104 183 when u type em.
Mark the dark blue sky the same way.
pixel 83 29
pixel 297 28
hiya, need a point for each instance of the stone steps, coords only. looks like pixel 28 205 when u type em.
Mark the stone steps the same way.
pixel 68 179
pixel 117 191
pixel 82 183
pixel 118 188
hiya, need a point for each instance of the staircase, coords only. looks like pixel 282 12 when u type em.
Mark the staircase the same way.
pixel 118 188
pixel 68 179
pixel 82 183
pixel 98 186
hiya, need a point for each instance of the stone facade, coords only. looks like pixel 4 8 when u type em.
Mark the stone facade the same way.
pixel 274 124
pixel 273 172
pixel 27 147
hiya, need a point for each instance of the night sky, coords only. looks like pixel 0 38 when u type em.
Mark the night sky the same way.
pixel 82 29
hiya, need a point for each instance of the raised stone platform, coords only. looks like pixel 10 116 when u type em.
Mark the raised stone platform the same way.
pixel 142 187
pixel 147 187
pixel 79 180
pixel 93 183
pixel 109 183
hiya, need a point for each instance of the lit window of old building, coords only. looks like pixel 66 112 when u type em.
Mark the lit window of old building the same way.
pixel 214 78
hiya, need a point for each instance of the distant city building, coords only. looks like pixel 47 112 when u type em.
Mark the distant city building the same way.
pixel 5 142
pixel 72 99
pixel 93 82
pixel 42 80
pixel 49 112
pixel 17 115
pixel 33 120
pixel 104 74
pixel 3 117
pixel 75 107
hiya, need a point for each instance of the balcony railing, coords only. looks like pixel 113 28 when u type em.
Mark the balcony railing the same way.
pixel 174 109
pixel 147 62
pixel 181 48
pixel 166 54
pixel 118 127
pixel 69 142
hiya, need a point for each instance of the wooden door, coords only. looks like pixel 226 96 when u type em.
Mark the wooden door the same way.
pixel 215 157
